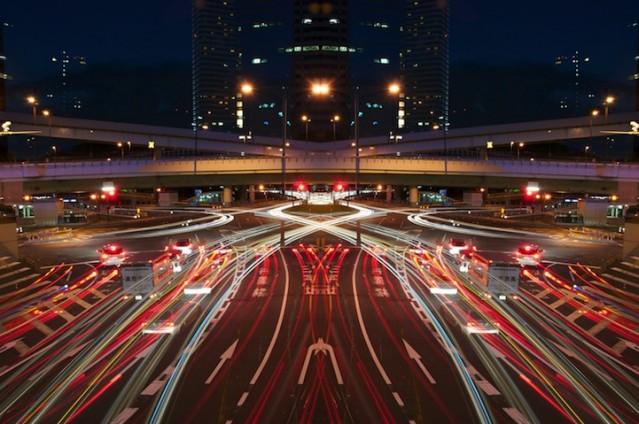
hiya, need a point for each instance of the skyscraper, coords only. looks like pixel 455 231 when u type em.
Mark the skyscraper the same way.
pixel 215 64
pixel 354 47
pixel 425 57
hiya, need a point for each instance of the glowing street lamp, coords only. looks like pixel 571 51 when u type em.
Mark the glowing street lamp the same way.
pixel 607 102
pixel 306 120
pixel 34 103
pixel 325 89
pixel 248 89
pixel 593 114
pixel 519 147
pixel 334 121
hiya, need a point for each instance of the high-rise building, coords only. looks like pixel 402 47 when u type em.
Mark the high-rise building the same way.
pixel 356 48
pixel 425 58
pixel 264 37
pixel 215 64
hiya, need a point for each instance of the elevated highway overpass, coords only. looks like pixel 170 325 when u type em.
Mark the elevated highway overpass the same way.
pixel 59 177
pixel 225 159
pixel 156 138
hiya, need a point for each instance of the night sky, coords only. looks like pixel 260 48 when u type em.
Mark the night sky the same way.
pixel 153 31
pixel 502 56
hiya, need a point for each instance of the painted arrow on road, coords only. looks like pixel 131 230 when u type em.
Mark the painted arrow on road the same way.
pixel 324 348
pixel 223 358
pixel 412 354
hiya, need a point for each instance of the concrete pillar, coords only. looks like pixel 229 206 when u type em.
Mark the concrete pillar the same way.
pixel 627 192
pixel 389 193
pixel 251 192
pixel 474 198
pixel 413 196
pixel 227 196
pixel 12 191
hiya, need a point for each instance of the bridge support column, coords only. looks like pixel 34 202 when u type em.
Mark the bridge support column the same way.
pixel 251 193
pixel 413 196
pixel 227 196
pixel 627 192
pixel 389 193
pixel 12 191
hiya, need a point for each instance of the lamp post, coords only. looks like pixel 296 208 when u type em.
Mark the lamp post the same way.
pixel 607 102
pixel 195 126
pixel 356 130
pixel 47 114
pixel 34 103
pixel 593 113
pixel 248 89
pixel 284 124
pixel 519 146
pixel 121 147
pixel 55 153
pixel 323 89
pixel 306 120
pixel 334 121
pixel 586 151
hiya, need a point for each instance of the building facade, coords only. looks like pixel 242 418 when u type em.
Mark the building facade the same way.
pixel 215 66
pixel 354 48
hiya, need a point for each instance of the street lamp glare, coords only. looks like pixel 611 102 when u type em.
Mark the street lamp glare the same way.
pixel 247 88
pixel 393 88
pixel 31 100
pixel 320 88
pixel 609 100
pixel 595 112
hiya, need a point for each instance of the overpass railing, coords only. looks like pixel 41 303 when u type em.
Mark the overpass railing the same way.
pixel 323 164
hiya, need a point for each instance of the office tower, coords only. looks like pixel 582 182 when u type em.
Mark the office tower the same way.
pixel 375 38
pixel 265 63
pixel 215 64
pixel 425 57
pixel 356 48
pixel 320 57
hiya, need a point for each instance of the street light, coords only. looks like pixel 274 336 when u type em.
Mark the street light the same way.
pixel 121 147
pixel 335 120
pixel 34 103
pixel 306 120
pixel 248 89
pixel 55 153
pixel 195 126
pixel 593 113
pixel 519 146
pixel 607 102
pixel 586 151
pixel 324 89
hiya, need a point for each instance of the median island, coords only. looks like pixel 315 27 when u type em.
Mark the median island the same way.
pixel 307 209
